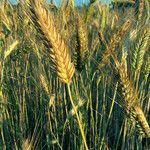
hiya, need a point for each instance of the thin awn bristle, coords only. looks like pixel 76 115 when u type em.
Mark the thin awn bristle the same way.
pixel 56 47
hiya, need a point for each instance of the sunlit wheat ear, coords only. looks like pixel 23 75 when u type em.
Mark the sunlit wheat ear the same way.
pixel 56 47
pixel 81 49
pixel 129 102
pixel 110 47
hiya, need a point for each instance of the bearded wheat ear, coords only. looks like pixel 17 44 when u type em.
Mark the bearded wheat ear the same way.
pixel 56 47
pixel 130 103
pixel 110 47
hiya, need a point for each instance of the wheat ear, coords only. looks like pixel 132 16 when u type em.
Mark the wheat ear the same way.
pixel 139 9
pixel 81 48
pixel 130 102
pixel 140 49
pixel 56 47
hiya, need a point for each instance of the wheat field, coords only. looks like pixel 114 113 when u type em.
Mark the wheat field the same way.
pixel 75 77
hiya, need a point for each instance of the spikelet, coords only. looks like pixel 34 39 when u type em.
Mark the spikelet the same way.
pixel 10 49
pixel 101 38
pixel 81 48
pixel 56 47
pixel 133 34
pixel 130 103
pixel 5 19
pixel 27 145
pixel 146 71
pixel 110 47
pixel 44 83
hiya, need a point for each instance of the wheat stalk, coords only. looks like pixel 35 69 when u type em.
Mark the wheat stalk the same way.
pixel 56 47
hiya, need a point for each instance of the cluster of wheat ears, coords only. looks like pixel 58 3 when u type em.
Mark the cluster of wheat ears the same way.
pixel 81 63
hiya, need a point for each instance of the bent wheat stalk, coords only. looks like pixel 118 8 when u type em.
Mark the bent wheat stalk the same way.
pixel 57 50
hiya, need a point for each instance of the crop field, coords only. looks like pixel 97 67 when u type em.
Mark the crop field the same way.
pixel 75 77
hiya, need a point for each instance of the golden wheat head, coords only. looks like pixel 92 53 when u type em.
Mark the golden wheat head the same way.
pixel 56 47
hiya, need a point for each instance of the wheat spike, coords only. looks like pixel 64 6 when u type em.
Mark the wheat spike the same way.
pixel 130 102
pixel 110 47
pixel 56 47
pixel 81 44
pixel 139 9
pixel 140 50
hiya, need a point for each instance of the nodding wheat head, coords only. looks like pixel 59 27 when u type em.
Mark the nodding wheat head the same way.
pixel 56 47
pixel 130 102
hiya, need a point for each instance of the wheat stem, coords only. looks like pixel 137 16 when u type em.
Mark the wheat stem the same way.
pixel 77 116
